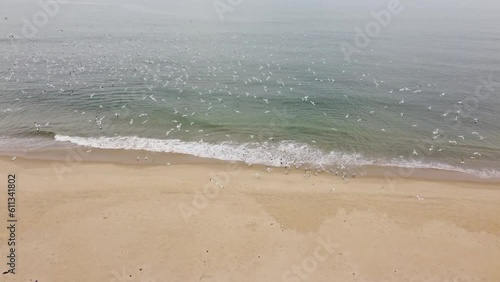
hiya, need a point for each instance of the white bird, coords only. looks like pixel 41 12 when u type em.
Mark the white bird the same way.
pixel 37 126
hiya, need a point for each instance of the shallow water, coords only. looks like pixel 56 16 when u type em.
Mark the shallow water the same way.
pixel 271 93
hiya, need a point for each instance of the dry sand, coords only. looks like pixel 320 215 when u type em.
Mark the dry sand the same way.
pixel 105 222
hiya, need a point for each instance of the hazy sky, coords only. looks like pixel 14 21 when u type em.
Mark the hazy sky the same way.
pixel 269 9
pixel 265 10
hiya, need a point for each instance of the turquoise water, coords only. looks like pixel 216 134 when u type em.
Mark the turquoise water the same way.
pixel 269 92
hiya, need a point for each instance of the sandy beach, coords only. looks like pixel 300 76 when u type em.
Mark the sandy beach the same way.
pixel 228 222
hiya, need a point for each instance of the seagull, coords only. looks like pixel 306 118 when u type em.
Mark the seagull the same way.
pixel 37 126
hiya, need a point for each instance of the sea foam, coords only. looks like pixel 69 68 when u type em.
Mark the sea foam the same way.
pixel 272 154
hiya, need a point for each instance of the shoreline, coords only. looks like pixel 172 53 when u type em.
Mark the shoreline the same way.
pixel 68 156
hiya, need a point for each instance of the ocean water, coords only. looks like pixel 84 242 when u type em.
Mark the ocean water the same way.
pixel 273 92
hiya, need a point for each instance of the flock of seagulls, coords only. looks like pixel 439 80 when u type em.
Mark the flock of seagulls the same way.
pixel 190 83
